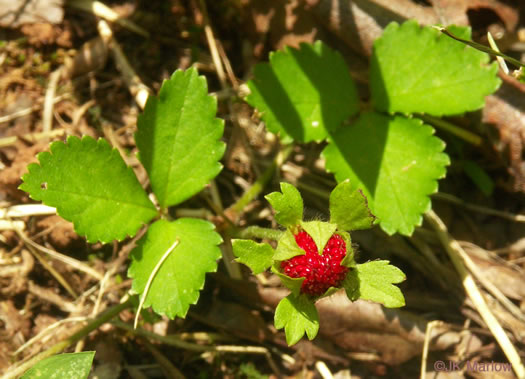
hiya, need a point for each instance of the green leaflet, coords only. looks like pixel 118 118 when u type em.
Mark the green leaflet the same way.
pixel 374 281
pixel 288 205
pixel 395 161
pixel 257 256
pixel 297 315
pixel 180 278
pixel 293 284
pixel 349 208
pixel 417 69
pixel 179 138
pixel 287 247
pixel 90 185
pixel 304 93
pixel 71 366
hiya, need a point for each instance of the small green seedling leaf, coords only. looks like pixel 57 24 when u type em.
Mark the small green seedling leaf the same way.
pixel 297 315
pixel 71 366
pixel 288 205
pixel 90 185
pixel 180 278
pixel 319 231
pixel 287 247
pixel 418 70
pixel 349 208
pixel 178 138
pixel 257 256
pixel 395 161
pixel 375 281
pixel 304 93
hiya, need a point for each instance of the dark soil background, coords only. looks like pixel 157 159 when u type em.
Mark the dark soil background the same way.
pixel 61 50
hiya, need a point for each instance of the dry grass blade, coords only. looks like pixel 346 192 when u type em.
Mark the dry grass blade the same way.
pixel 101 10
pixel 456 253
pixel 63 258
pixel 477 208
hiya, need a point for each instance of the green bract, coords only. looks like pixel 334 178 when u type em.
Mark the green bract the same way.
pixel 374 281
pixel 348 211
pixel 297 315
pixel 288 205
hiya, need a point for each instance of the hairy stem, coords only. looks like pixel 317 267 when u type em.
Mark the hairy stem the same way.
pixel 259 232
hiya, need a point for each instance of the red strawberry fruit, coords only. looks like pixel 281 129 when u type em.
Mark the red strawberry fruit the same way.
pixel 320 271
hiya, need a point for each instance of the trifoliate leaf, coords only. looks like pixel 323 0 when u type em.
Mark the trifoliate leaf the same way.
pixel 178 138
pixel 287 247
pixel 293 284
pixel 288 205
pixel 257 256
pixel 374 281
pixel 349 208
pixel 395 161
pixel 297 315
pixel 180 278
pixel 71 365
pixel 417 69
pixel 90 185
pixel 303 93
pixel 319 231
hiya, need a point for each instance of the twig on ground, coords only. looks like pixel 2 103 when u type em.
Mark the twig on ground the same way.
pixel 456 254
pixel 477 208
pixel 47 113
pixel 47 330
pixel 99 9
pixel 428 333
pixel 25 112
pixel 23 210
pixel 212 43
pixel 12 225
pixel 76 264
pixel 139 91
pixel 169 369
pixel 323 370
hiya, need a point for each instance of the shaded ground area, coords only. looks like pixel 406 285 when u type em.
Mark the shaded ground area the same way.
pixel 67 72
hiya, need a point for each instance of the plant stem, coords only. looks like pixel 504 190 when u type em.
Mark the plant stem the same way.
pixel 467 136
pixel 259 232
pixel 57 348
pixel 256 188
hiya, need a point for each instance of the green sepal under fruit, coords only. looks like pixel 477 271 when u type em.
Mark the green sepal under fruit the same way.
pixel 288 205
pixel 293 284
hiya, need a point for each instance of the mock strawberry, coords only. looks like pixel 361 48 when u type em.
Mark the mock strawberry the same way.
pixel 321 271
